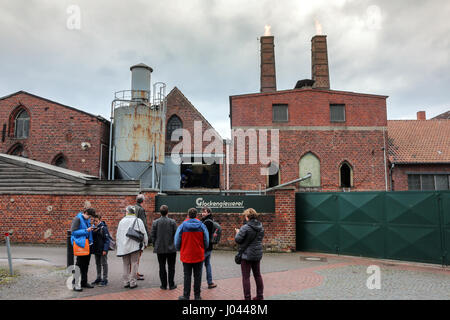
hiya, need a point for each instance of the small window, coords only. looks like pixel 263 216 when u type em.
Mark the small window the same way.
pixel 346 175
pixel 441 182
pixel 173 124
pixel 413 182
pixel 274 178
pixel 18 150
pixel 337 112
pixel 60 161
pixel 280 112
pixel 22 125
pixel 428 182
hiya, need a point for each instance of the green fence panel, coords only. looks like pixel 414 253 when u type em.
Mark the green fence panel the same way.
pixel 445 209
pixel 406 225
pixel 413 226
pixel 316 222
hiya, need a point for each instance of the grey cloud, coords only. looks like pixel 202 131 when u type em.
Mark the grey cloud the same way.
pixel 209 50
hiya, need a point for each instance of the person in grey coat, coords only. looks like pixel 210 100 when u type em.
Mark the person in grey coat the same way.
pixel 162 235
pixel 251 236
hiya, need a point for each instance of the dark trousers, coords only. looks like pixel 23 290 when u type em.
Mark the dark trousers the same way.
pixel 170 259
pixel 101 262
pixel 246 266
pixel 188 269
pixel 83 264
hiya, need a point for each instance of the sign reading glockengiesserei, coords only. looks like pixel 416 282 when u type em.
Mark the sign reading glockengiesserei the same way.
pixel 217 203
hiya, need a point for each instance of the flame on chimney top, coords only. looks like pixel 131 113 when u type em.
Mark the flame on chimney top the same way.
pixel 267 31
pixel 318 27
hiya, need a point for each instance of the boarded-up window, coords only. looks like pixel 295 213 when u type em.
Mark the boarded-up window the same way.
pixel 337 112
pixel 309 163
pixel 280 112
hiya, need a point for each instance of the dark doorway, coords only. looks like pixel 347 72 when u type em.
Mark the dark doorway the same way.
pixel 346 176
pixel 200 175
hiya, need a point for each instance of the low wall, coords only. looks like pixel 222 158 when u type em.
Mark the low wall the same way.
pixel 45 219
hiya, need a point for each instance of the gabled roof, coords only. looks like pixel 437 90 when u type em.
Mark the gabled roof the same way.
pixel 419 141
pixel 51 101
pixel 176 90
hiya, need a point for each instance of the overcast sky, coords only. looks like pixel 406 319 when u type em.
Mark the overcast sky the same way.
pixel 209 49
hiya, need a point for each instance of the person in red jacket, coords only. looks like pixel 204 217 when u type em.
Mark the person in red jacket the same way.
pixel 191 239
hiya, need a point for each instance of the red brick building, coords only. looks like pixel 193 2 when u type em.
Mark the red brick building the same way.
pixel 340 137
pixel 182 114
pixel 50 132
pixel 419 153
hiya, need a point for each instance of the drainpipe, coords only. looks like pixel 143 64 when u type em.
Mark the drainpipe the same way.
pixel 390 174
pixel 384 154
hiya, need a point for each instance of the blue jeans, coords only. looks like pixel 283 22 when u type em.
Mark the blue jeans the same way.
pixel 208 266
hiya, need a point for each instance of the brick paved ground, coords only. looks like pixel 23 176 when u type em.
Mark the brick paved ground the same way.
pixel 286 277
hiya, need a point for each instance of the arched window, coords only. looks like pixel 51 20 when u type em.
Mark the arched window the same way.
pixel 18 150
pixel 22 125
pixel 345 175
pixel 274 175
pixel 309 163
pixel 60 161
pixel 173 124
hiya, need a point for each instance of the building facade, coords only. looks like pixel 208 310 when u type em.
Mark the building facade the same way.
pixel 50 132
pixel 339 137
pixel 419 153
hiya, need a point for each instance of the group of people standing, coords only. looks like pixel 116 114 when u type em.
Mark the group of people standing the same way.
pixel 192 238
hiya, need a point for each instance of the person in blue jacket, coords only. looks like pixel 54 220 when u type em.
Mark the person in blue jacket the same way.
pixel 82 230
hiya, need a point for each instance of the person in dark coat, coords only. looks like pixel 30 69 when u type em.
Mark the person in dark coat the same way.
pixel 100 249
pixel 251 236
pixel 140 213
pixel 207 220
pixel 162 235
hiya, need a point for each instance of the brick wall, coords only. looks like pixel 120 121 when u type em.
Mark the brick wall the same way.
pixel 55 129
pixel 33 221
pixel 359 140
pixel 400 176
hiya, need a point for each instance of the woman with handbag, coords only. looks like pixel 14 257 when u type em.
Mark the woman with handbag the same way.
pixel 81 239
pixel 249 238
pixel 131 237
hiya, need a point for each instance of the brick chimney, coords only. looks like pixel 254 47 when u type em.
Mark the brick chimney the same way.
pixel 319 62
pixel 268 76
pixel 421 115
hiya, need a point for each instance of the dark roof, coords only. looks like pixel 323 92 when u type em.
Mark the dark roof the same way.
pixel 445 115
pixel 141 65
pixel 60 104
pixel 419 141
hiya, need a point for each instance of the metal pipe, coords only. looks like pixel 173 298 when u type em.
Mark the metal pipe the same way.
pixel 384 154
pixel 114 162
pixel 8 249
pixel 288 183
pixel 110 141
pixel 153 166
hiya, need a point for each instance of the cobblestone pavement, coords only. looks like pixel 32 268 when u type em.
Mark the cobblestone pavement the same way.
pixel 287 276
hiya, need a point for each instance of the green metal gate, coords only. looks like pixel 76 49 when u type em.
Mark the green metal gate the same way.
pixel 404 225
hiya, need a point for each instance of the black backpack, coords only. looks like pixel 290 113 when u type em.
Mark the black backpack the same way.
pixel 217 233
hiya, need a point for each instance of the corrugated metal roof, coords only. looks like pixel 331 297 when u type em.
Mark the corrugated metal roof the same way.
pixel 25 162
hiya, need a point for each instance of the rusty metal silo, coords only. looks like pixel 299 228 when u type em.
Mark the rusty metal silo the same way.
pixel 138 130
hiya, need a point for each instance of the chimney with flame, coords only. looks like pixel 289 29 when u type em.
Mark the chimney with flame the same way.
pixel 319 60
pixel 268 76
